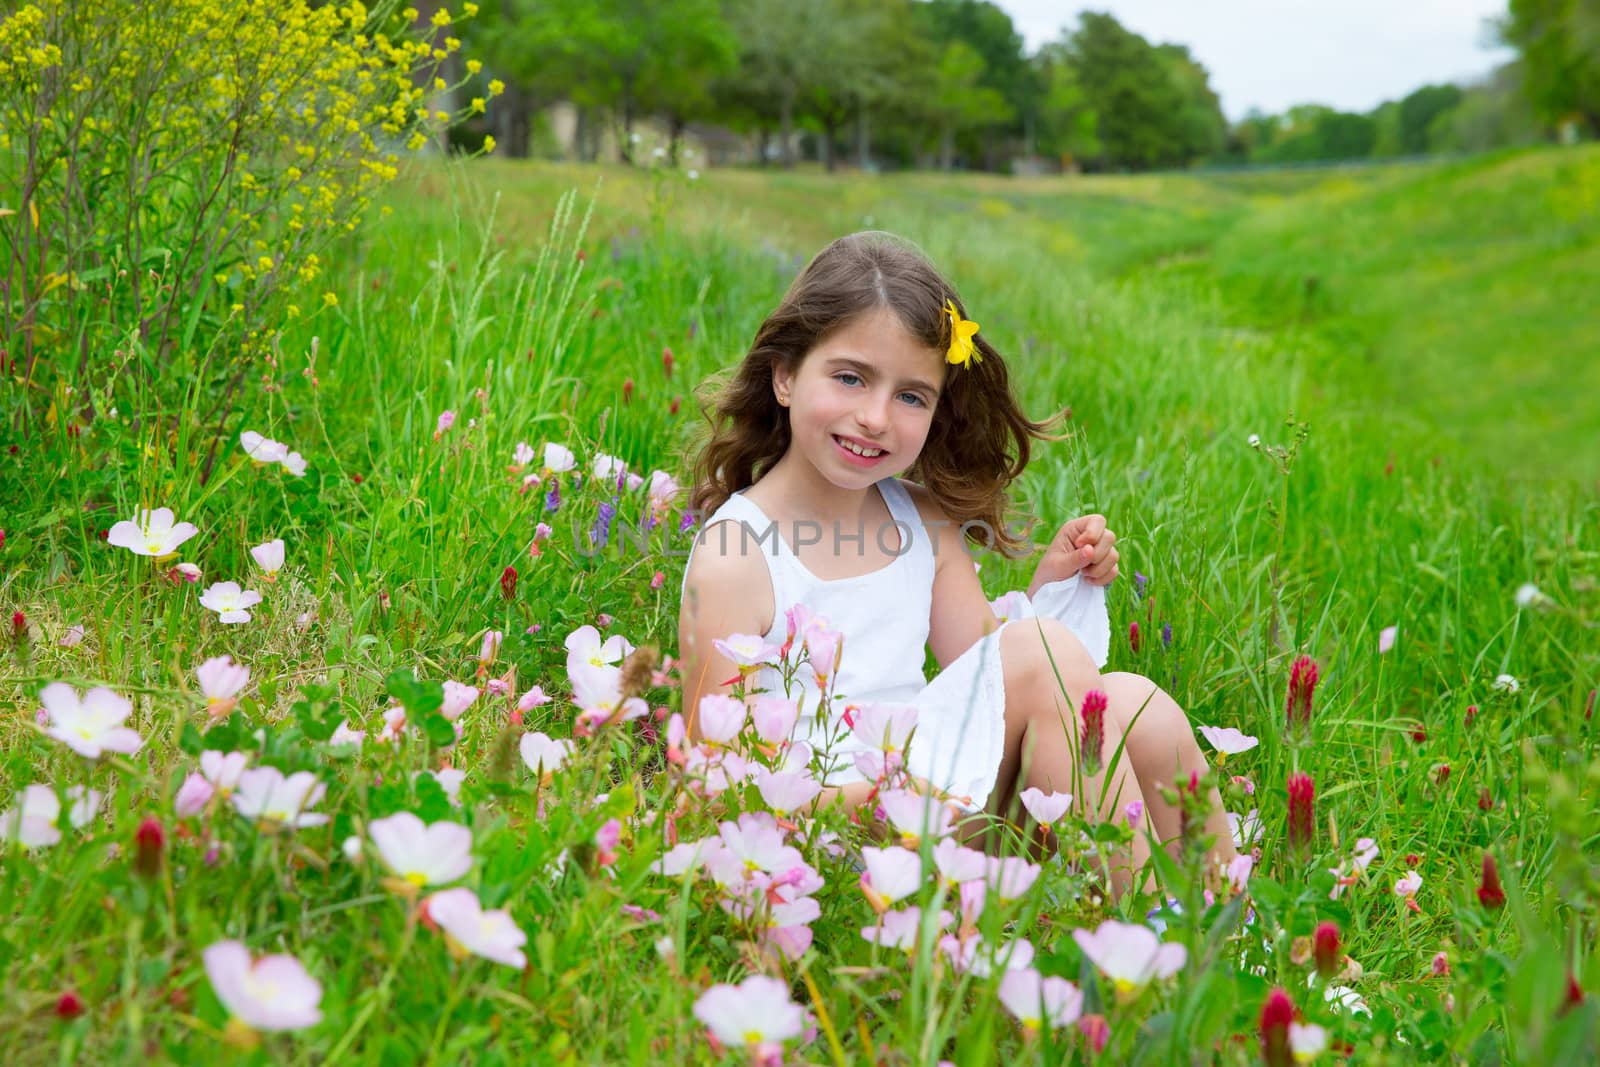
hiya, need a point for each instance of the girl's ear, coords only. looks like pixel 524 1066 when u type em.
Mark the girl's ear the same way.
pixel 782 383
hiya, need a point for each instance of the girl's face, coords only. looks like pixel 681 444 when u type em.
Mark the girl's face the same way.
pixel 869 387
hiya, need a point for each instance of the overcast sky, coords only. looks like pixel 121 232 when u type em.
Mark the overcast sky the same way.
pixel 1273 54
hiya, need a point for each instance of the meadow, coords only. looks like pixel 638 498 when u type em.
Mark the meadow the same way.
pixel 1341 415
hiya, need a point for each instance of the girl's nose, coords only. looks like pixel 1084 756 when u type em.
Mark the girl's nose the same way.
pixel 873 414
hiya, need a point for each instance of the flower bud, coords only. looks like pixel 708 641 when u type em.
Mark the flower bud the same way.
pixel 149 842
pixel 69 1006
pixel 1302 687
pixel 1490 893
pixel 1276 1015
pixel 666 362
pixel 1325 947
pixel 1302 820
pixel 1093 713
pixel 508 583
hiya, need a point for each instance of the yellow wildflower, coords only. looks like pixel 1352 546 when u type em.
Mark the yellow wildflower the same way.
pixel 496 87
pixel 962 350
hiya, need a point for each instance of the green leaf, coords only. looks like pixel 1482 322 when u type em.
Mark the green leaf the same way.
pixel 438 729
pixel 190 741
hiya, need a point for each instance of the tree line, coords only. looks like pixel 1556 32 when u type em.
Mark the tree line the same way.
pixel 949 83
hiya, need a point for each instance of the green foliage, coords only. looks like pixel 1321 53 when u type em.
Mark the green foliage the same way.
pixel 1559 41
pixel 178 171
pixel 1171 312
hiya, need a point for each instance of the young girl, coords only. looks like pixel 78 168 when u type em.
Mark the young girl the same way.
pixel 869 371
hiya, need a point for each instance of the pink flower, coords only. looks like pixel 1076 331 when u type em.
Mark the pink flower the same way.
pixel 756 1014
pixel 915 815
pixel 221 681
pixel 89 725
pixel 1010 876
pixel 892 874
pixel 420 853
pixel 1386 638
pixel 493 935
pixel 786 791
pixel 272 993
pixel 774 717
pixel 31 821
pixel 899 929
pixel 490 649
pixel 231 603
pixel 1409 885
pixel 606 840
pixel 745 650
pixel 446 420
pixel 457 699
pixel 151 533
pixel 1133 813
pixel 957 863
pixel 1046 808
pixel 193 796
pixel 533 698
pixel 264 795
pixel 269 557
pixel 1037 1001
pixel 721 718
pixel 886 727
pixel 543 755
pixel 1228 741
pixel 1131 956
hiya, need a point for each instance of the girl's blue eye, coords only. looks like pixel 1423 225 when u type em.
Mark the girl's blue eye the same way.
pixel 841 376
pixel 915 399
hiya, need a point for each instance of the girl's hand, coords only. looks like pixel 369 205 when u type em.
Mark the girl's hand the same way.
pixel 1082 545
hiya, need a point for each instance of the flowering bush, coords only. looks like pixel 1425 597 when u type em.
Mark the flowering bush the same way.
pixel 173 175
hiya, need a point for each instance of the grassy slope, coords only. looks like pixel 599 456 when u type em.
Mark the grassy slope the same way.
pixel 1169 313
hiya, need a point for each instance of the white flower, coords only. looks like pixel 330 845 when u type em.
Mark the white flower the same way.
pixel 608 467
pixel 231 603
pixel 91 724
pixel 1505 683
pixel 1130 955
pixel 269 557
pixel 490 934
pixel 1245 828
pixel 1045 808
pixel 263 449
pixel 542 754
pixel 265 795
pixel 152 533
pixel 757 1012
pixel 1037 1001
pixel 522 455
pixel 1386 638
pixel 694 175
pixel 73 637
pixel 1227 740
pixel 345 735
pixel 449 780
pixel 1253 440
pixel 1528 594
pixel 31 821
pixel 272 993
pixel 1408 885
pixel 1307 1042
pixel 295 464
pixel 559 458
pixel 457 699
pixel 422 854
pixel 221 681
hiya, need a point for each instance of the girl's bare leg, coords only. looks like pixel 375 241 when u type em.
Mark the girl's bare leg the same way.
pixel 1164 752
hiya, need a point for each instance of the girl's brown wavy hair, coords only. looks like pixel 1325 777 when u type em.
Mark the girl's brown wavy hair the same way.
pixel 979 441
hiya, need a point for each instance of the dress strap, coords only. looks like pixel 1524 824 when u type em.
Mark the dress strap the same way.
pixel 904 510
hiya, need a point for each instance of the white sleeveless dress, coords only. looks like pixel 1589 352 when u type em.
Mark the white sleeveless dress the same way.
pixel 884 616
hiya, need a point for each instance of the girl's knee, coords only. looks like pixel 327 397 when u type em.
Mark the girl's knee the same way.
pixel 1044 652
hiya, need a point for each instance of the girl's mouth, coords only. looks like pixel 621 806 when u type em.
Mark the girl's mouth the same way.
pixel 858 455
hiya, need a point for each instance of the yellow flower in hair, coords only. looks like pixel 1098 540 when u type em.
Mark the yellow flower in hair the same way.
pixel 961 330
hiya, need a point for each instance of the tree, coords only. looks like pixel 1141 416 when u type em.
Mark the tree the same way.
pixel 959 102
pixel 1418 111
pixel 1148 110
pixel 1065 124
pixel 1559 42
pixel 1002 71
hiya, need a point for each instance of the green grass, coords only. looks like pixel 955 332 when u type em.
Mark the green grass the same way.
pixel 1440 361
